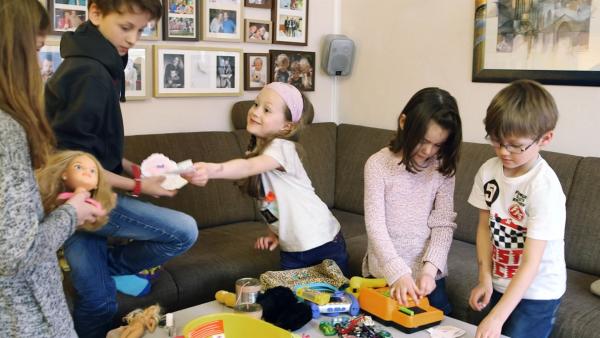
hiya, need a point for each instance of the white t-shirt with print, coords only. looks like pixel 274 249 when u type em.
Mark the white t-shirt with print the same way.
pixel 529 206
pixel 291 207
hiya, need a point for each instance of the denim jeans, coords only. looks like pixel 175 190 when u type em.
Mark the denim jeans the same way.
pixel 531 318
pixel 334 250
pixel 158 235
pixel 438 298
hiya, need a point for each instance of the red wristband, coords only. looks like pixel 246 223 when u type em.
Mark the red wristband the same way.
pixel 137 173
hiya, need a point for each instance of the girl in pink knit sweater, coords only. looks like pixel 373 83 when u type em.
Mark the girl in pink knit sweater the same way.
pixel 409 207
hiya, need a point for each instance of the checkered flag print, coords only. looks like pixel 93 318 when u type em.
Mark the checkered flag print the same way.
pixel 505 237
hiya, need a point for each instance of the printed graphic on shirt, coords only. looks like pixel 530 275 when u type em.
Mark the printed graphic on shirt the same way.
pixel 508 242
pixel 491 192
pixel 269 209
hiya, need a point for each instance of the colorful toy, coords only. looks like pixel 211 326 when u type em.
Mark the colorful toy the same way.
pixel 359 282
pixel 340 302
pixel 160 165
pixel 408 319
pixel 315 296
pixel 226 298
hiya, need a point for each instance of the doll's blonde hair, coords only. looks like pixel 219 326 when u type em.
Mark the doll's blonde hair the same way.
pixel 51 185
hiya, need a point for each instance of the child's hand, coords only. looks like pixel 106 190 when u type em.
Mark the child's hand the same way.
pixel 490 327
pixel 269 242
pixel 426 283
pixel 152 186
pixel 86 212
pixel 199 176
pixel 480 296
pixel 403 288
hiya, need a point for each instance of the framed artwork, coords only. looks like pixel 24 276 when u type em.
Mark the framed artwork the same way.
pixel 256 67
pixel 197 71
pixel 550 41
pixel 290 20
pixel 222 20
pixel 180 20
pixel 258 3
pixel 257 31
pixel 49 59
pixel 153 31
pixel 138 73
pixel 294 67
pixel 67 15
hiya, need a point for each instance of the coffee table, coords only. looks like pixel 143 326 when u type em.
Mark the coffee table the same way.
pixel 312 328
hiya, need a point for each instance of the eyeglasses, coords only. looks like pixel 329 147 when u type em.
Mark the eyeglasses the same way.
pixel 511 148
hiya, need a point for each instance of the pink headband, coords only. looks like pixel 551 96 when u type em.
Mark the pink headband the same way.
pixel 291 96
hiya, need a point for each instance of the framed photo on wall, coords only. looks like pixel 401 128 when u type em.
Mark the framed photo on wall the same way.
pixel 138 73
pixel 197 71
pixel 256 67
pixel 67 15
pixel 553 42
pixel 258 31
pixel 290 21
pixel 222 20
pixel 258 3
pixel 49 59
pixel 180 20
pixel 153 31
pixel 294 67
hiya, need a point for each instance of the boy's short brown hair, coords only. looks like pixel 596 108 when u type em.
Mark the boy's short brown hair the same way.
pixel 154 7
pixel 522 109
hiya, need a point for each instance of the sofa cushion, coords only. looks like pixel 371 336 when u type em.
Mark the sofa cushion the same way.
pixel 221 201
pixel 582 234
pixel 220 256
pixel 355 144
pixel 318 154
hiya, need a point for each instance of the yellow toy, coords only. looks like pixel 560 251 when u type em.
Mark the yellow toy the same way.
pixel 407 319
pixel 138 321
pixel 226 298
pixel 359 282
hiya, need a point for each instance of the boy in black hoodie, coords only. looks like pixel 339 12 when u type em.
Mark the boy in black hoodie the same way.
pixel 82 101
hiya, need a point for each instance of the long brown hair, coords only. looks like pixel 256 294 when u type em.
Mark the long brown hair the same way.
pixel 51 184
pixel 252 185
pixel 21 88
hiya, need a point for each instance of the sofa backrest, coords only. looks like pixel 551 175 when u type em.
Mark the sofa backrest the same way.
pixel 220 202
pixel 355 144
pixel 582 234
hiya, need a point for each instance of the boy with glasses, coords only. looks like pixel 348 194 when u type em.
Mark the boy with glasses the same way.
pixel 522 271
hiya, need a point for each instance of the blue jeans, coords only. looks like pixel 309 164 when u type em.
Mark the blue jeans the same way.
pixel 531 318
pixel 334 250
pixel 438 298
pixel 158 234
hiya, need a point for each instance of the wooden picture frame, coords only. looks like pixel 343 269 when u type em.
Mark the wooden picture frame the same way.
pixel 290 22
pixel 180 22
pixel 49 59
pixel 546 42
pixel 222 20
pixel 258 3
pixel 256 73
pixel 65 17
pixel 258 31
pixel 153 31
pixel 295 67
pixel 138 73
pixel 181 71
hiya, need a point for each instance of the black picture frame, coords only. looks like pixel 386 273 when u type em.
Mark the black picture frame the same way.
pixel 249 58
pixel 181 17
pixel 299 68
pixel 482 74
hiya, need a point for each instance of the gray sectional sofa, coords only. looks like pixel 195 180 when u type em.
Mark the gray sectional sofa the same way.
pixel 335 156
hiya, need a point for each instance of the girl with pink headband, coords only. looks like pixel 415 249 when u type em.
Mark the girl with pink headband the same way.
pixel 298 221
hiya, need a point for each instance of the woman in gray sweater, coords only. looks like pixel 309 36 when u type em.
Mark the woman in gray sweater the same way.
pixel 32 302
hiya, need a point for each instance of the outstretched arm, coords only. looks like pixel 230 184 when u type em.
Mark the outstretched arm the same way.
pixel 233 170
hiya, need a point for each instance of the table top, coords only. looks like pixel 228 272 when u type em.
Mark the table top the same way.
pixel 312 328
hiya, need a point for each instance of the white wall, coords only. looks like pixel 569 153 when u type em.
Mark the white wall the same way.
pixel 169 115
pixel 403 46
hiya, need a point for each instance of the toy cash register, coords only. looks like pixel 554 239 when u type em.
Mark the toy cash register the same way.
pixel 409 319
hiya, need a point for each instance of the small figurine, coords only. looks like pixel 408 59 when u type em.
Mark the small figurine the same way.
pixel 138 321
pixel 69 172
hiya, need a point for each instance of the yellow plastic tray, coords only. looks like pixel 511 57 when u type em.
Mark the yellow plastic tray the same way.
pixel 232 325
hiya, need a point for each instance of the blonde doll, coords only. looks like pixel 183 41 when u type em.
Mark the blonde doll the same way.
pixel 70 172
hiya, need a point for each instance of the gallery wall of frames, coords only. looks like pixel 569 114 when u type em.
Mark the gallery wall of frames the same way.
pixel 188 68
